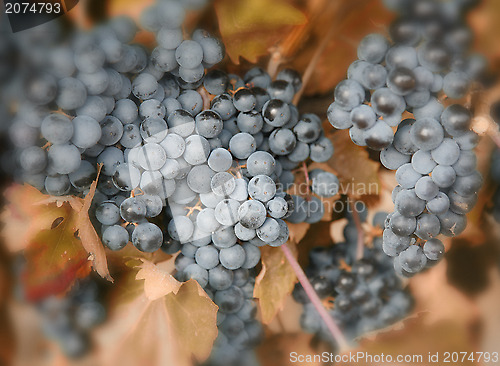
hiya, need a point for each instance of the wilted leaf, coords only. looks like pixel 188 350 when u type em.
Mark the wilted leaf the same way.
pixel 274 282
pixel 57 235
pixel 298 231
pixel 350 22
pixel 167 323
pixel 23 217
pixel 90 240
pixel 250 27
pixel 157 283
pixel 356 172
pixel 55 258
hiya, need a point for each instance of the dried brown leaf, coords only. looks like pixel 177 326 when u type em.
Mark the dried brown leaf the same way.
pixel 166 323
pixel 274 282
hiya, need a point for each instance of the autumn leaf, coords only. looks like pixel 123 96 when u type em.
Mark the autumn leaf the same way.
pixel 167 323
pixel 55 258
pixel 157 282
pixel 274 282
pixel 298 231
pixel 250 27
pixel 23 217
pixel 358 174
pixel 346 23
pixel 57 235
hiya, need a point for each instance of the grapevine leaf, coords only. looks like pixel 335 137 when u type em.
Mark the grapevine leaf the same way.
pixel 23 217
pixel 55 258
pixel 250 27
pixel 298 231
pixel 90 240
pixel 274 282
pixel 166 323
pixel 157 282
pixel 29 213
pixel 193 318
pixel 352 21
pixel 358 174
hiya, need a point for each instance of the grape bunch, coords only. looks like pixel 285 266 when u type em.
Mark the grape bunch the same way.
pixel 365 297
pixel 432 153
pixel 428 55
pixel 69 320
pixel 193 161
pixel 438 186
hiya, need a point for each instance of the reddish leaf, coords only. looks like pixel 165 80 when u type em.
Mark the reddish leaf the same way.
pixel 55 258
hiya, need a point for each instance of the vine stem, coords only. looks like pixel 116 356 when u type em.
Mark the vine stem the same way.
pixel 360 246
pixel 204 97
pixel 315 300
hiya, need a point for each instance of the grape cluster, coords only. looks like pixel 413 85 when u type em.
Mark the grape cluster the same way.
pixel 68 320
pixel 363 298
pixel 432 153
pixel 192 160
pixel 428 54
pixel 233 197
pixel 438 184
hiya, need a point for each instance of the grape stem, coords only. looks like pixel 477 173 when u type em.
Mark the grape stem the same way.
pixel 274 62
pixel 315 300
pixel 360 246
pixel 205 97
